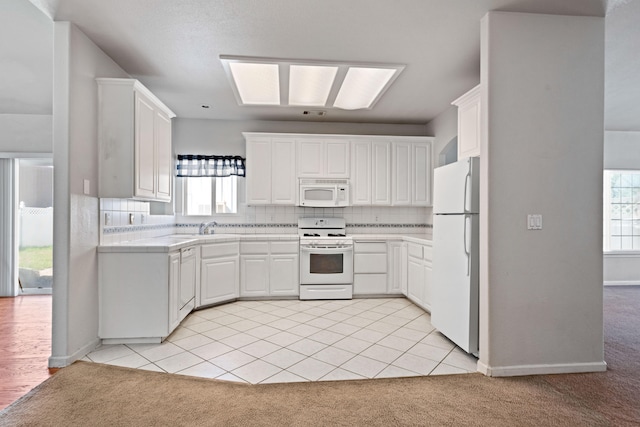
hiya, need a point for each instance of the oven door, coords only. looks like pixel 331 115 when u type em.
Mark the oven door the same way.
pixel 326 266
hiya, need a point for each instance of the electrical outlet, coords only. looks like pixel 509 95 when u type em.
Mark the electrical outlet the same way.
pixel 143 218
pixel 107 218
pixel 132 218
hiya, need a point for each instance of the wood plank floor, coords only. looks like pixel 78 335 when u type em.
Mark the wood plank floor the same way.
pixel 25 345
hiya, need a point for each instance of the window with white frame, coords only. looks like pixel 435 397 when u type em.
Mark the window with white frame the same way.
pixel 209 183
pixel 203 196
pixel 621 210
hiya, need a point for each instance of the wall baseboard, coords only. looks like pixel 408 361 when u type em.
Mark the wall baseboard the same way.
pixel 621 282
pixel 519 370
pixel 62 361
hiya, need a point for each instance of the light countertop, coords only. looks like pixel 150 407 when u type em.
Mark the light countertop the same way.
pixel 176 242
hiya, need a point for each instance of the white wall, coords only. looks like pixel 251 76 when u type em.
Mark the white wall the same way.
pixel 26 78
pixel 542 82
pixel 443 128
pixel 77 62
pixel 224 137
pixel 621 151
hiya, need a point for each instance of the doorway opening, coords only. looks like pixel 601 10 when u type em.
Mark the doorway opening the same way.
pixel 35 226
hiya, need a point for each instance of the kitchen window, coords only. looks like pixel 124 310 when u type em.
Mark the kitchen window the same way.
pixel 209 183
pixel 203 196
pixel 621 210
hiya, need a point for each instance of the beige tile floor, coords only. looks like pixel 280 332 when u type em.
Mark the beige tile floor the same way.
pixel 291 341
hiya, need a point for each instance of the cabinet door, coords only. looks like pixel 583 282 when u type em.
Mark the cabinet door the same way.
pixel 258 172
pixel 310 159
pixel 396 269
pixel 361 173
pixel 337 158
pixel 421 174
pixel 469 123
pixel 415 280
pixel 144 142
pixel 187 279
pixel 174 290
pixel 428 284
pixel 219 280
pixel 401 172
pixel 164 156
pixel 254 275
pixel 381 173
pixel 283 275
pixel 283 172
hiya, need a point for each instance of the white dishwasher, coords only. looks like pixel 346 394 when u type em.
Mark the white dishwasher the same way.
pixel 188 267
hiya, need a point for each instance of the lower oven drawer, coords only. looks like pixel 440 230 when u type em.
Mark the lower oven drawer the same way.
pixel 315 292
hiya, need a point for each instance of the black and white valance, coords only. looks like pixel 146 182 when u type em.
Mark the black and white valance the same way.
pixel 217 166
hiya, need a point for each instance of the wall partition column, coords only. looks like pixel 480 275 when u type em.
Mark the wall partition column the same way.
pixel 8 259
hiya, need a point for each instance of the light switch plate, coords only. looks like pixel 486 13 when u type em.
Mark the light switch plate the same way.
pixel 86 187
pixel 107 218
pixel 534 222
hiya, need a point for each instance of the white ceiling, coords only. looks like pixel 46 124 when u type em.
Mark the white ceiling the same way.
pixel 173 47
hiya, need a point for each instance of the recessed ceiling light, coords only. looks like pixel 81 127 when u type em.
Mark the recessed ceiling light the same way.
pixel 310 84
pixel 362 87
pixel 290 82
pixel 257 83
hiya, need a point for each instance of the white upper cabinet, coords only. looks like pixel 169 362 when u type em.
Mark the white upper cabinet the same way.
pixel 469 123
pixel 380 173
pixel 271 170
pixel 323 158
pixel 382 170
pixel 412 169
pixel 361 173
pixel 370 172
pixel 134 135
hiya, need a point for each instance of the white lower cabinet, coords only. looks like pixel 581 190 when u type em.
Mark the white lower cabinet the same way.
pixel 219 273
pixel 397 283
pixel 269 269
pixel 370 268
pixel 139 296
pixel 419 272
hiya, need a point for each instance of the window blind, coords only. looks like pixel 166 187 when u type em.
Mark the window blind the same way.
pixel 192 165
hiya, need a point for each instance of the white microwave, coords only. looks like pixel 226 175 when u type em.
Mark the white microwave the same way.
pixel 324 193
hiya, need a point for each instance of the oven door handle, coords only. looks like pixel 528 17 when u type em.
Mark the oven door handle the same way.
pixel 332 250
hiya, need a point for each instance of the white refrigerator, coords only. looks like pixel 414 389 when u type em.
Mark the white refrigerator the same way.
pixel 454 305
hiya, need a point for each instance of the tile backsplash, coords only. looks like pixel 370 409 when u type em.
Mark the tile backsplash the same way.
pixel 255 220
pixel 119 229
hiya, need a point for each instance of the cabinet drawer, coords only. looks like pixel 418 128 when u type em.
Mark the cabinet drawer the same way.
pixel 370 247
pixel 285 247
pixel 414 251
pixel 257 248
pixel 370 263
pixel 364 284
pixel 219 249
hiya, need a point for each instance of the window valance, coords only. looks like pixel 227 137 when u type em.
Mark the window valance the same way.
pixel 217 166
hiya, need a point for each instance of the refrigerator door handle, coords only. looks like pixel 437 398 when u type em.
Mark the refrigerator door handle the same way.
pixel 467 196
pixel 467 243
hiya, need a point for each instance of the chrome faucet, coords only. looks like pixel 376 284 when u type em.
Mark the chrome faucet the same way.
pixel 204 227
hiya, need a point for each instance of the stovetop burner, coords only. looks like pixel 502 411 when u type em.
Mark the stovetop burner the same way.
pixel 336 235
pixel 311 235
